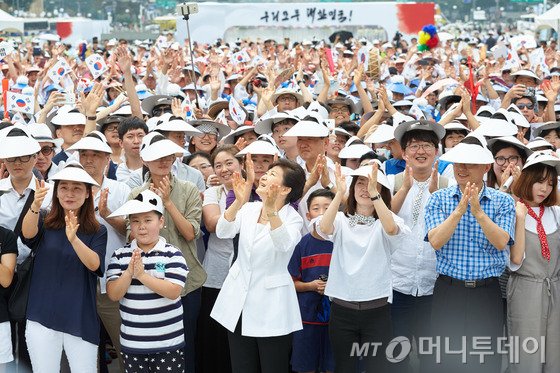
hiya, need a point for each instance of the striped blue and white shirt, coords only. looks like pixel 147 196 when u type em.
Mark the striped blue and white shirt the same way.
pixel 151 323
pixel 469 255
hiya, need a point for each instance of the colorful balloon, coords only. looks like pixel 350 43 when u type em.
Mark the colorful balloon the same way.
pixel 423 37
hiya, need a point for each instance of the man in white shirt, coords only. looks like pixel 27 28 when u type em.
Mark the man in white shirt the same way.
pixel 312 138
pixel 18 154
pixel 131 132
pixel 413 266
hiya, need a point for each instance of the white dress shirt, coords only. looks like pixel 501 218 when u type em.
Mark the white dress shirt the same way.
pixel 118 195
pixel 360 263
pixel 414 264
pixel 11 205
pixel 302 205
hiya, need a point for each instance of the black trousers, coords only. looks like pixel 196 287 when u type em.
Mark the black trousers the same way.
pixel 350 330
pixel 460 313
pixel 411 317
pixel 212 348
pixel 191 307
pixel 259 354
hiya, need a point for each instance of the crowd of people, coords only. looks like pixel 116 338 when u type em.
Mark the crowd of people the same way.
pixel 275 206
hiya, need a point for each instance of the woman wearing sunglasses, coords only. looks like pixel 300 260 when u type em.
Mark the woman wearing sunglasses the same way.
pixel 527 106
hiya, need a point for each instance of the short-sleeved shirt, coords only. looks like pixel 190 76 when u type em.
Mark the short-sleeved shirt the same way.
pixel 11 206
pixel 394 166
pixel 220 251
pixel 151 323
pixel 311 259
pixel 118 195
pixel 361 261
pixel 8 245
pixel 62 292
pixel 468 255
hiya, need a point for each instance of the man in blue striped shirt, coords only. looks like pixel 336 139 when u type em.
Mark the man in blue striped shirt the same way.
pixel 471 227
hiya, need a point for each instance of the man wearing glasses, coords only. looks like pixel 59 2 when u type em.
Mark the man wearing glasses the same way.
pixel 44 164
pixel 471 227
pixel 18 154
pixel 413 266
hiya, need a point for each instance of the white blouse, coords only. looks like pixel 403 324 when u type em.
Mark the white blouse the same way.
pixel 360 263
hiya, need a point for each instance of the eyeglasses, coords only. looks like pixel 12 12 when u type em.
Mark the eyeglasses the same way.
pixel 425 147
pixel 157 111
pixel 286 98
pixel 22 159
pixel 525 106
pixel 112 128
pixel 46 150
pixel 500 161
pixel 204 166
pixel 343 109
pixel 209 135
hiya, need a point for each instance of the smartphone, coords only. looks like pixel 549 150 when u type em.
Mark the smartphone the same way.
pixel 69 98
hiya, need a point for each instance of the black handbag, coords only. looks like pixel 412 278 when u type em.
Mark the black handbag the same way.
pixel 17 303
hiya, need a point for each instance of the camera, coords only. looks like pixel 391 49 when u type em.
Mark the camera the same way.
pixel 529 92
pixel 259 83
pixel 186 9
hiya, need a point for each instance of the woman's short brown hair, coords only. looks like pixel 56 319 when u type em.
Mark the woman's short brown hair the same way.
pixel 86 216
pixel 351 203
pixel 523 186
pixel 229 148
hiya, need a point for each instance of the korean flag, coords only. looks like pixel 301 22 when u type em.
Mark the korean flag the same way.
pixel 96 65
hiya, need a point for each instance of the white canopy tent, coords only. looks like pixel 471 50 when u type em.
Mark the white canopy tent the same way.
pixel 550 18
pixel 10 23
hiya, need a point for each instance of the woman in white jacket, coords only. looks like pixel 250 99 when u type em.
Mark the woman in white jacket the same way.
pixel 258 302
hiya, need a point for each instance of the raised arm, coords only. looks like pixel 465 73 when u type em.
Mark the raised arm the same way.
pixel 497 236
pixel 125 64
pixel 326 224
pixel 242 190
pixel 383 212
pixel 29 227
pixel 517 250
pixel 442 233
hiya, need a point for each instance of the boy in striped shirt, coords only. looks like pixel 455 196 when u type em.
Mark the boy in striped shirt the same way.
pixel 147 277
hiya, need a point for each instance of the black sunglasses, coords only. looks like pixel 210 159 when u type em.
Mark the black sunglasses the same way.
pixel 523 106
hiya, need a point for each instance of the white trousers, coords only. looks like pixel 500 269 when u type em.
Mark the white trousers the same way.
pixel 45 350
pixel 6 344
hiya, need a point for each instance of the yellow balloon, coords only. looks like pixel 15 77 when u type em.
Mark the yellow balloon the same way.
pixel 423 37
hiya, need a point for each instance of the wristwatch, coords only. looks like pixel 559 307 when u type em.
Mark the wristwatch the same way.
pixel 330 186
pixel 91 118
pixel 378 196
pixel 271 214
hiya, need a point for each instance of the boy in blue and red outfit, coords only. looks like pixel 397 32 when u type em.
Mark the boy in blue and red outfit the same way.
pixel 309 267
